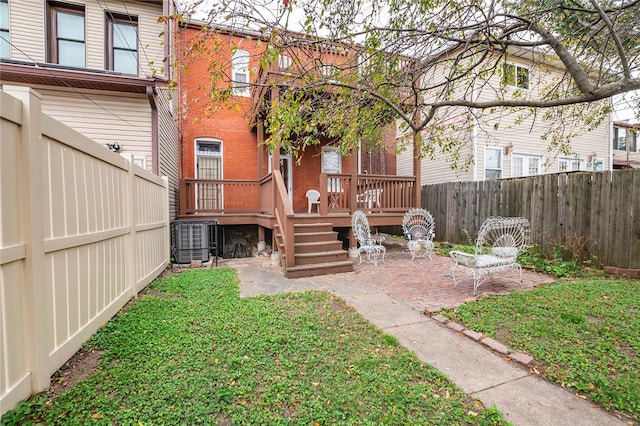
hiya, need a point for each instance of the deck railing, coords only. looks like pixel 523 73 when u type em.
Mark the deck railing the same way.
pixel 372 193
pixel 217 196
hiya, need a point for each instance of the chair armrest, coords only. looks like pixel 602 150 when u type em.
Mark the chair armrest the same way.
pixel 464 259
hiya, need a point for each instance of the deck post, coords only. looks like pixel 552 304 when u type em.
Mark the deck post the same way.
pixel 417 169
pixel 353 188
pixel 261 242
pixel 260 147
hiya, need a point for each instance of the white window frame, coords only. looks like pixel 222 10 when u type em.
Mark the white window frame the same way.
pixel 568 164
pixel 5 32
pixel 217 201
pixel 331 162
pixel 527 164
pixel 596 165
pixel 284 62
pixel 516 69
pixel 500 160
pixel 240 73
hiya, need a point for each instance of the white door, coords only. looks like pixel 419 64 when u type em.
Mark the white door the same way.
pixel 286 170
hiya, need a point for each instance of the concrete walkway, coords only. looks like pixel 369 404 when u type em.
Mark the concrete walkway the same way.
pixel 389 297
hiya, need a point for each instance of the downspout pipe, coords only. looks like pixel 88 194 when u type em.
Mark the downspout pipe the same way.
pixel 154 129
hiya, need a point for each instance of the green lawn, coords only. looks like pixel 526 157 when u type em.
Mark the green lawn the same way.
pixel 190 351
pixel 582 334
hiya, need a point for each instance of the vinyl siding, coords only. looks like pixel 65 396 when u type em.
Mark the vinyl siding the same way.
pixel 26 28
pixel 105 118
pixel 523 131
pixel 27 23
pixel 168 156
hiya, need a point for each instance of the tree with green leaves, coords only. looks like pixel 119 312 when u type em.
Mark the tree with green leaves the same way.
pixel 439 67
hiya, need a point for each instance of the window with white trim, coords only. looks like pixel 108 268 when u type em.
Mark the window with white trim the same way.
pixel 515 76
pixel 66 31
pixel 492 163
pixel 209 195
pixel 284 62
pixel 5 38
pixel 596 165
pixel 240 73
pixel 525 165
pixel 122 43
pixel 623 137
pixel 331 163
pixel 566 164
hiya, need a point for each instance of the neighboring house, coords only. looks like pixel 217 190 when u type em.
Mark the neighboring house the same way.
pixel 228 173
pixel 625 145
pixel 102 68
pixel 501 145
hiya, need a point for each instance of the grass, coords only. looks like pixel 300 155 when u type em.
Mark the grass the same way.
pixel 190 351
pixel 583 334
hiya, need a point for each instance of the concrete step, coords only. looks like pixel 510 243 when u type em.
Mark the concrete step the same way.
pixel 311 270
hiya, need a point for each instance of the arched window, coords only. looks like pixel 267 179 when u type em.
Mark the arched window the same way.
pixel 240 73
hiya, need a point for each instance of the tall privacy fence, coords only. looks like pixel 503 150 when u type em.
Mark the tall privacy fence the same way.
pixel 82 230
pixel 595 215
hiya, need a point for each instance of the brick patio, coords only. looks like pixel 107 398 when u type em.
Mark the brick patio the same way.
pixel 427 284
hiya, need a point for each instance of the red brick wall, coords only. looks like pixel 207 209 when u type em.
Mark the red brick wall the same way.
pixel 228 123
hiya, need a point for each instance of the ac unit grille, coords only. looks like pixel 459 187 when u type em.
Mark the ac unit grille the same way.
pixel 191 241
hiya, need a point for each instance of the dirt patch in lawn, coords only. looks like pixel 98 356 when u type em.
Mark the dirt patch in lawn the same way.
pixel 81 365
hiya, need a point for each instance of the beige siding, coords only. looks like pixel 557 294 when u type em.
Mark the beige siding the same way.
pixel 521 131
pixel 27 29
pixel 105 118
pixel 168 155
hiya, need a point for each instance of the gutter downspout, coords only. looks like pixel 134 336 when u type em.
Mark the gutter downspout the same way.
pixel 474 134
pixel 154 129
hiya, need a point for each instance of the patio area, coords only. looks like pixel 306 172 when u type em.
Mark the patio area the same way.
pixel 427 284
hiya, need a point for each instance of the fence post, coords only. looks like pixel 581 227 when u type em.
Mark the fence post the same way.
pixel 130 267
pixel 167 218
pixel 32 188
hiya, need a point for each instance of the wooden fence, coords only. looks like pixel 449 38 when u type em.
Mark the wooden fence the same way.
pixel 591 215
pixel 82 230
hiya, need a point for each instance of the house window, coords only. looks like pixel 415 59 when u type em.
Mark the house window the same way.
pixel 240 77
pixel 122 43
pixel 570 164
pixel 525 165
pixel 623 137
pixel 515 76
pixel 492 163
pixel 66 35
pixel 597 165
pixel 332 163
pixel 208 195
pixel 5 40
pixel 284 62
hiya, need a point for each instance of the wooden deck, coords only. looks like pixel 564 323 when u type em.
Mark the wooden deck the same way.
pixel 307 242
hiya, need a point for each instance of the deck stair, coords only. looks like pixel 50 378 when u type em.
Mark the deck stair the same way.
pixel 317 251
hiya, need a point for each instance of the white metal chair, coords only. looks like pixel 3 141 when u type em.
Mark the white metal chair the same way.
pixel 370 197
pixel 419 229
pixel 499 242
pixel 371 246
pixel 313 197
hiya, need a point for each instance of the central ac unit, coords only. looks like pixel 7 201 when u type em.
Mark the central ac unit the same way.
pixel 190 241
